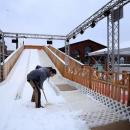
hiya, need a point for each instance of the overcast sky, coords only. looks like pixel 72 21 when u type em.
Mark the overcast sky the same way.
pixel 57 17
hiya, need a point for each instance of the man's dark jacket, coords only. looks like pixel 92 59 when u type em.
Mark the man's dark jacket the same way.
pixel 39 75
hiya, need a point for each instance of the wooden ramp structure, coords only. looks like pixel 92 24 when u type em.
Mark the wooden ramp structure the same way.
pixel 103 87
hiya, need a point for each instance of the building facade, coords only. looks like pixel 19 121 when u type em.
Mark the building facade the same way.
pixel 100 58
pixel 80 50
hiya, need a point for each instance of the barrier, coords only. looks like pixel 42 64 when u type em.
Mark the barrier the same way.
pixel 105 83
pixel 10 61
pixel 112 85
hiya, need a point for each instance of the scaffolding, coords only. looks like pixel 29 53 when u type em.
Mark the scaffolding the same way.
pixel 113 10
pixel 113 34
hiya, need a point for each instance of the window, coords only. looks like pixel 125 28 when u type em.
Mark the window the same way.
pixel 87 50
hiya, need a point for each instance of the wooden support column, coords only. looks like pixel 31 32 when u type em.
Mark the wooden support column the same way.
pixel 90 77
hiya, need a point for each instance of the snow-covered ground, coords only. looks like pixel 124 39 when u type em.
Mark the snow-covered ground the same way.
pixel 16 110
pixel 67 110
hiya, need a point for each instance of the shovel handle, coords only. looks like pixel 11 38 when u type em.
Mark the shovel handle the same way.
pixel 44 95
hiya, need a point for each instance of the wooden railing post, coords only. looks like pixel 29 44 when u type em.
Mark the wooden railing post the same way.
pixel 90 78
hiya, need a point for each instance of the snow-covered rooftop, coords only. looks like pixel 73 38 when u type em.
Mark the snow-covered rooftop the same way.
pixel 123 51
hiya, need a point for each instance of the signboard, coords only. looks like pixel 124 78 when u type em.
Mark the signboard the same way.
pixel 117 14
pixel 14 40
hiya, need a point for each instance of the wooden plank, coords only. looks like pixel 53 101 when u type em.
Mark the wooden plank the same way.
pixel 65 87
pixel 32 47
pixel 121 125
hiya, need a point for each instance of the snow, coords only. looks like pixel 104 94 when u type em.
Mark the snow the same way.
pixel 17 112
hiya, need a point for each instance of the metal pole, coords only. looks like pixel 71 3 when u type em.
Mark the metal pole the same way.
pixel 3 48
pixel 3 57
pixel 16 41
pixel 108 51
pixel 119 43
pixel 67 52
pixel 113 44
pixel 118 52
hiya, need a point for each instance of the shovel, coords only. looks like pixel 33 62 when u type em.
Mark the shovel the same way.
pixel 47 103
pixel 44 96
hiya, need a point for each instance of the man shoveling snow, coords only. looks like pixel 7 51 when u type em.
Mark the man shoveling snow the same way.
pixel 36 78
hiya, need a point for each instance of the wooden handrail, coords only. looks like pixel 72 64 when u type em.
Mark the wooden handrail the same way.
pixel 10 61
pixel 102 82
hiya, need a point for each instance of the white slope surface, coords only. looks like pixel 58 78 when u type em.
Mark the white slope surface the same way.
pixel 17 112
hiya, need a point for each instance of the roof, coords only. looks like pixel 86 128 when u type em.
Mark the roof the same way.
pixel 84 42
pixel 123 51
